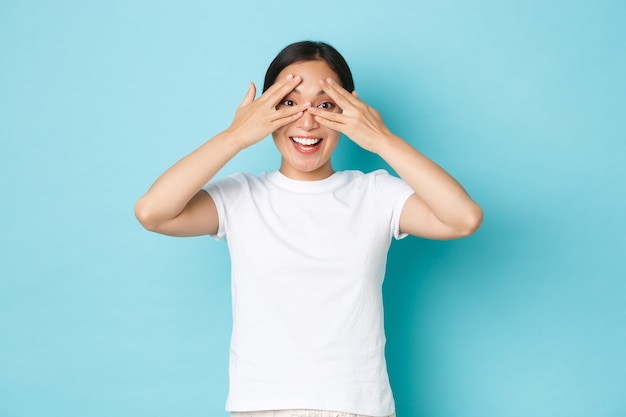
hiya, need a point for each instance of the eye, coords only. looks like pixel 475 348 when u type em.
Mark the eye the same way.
pixel 287 102
pixel 326 105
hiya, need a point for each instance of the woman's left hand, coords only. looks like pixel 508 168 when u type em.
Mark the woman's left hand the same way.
pixel 360 122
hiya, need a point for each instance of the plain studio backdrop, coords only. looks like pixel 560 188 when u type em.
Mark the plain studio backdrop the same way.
pixel 523 101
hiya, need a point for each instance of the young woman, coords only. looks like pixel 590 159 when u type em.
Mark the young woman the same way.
pixel 308 245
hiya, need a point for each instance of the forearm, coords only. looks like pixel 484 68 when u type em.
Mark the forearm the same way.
pixel 171 192
pixel 445 197
pixel 442 207
pixel 169 205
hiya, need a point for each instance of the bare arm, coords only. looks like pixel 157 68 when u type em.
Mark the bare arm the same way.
pixel 175 204
pixel 440 207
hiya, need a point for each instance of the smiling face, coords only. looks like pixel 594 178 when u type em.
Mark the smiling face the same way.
pixel 305 145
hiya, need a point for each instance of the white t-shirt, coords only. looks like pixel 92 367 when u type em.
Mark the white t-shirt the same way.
pixel 308 262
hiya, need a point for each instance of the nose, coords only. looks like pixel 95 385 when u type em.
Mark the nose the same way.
pixel 307 121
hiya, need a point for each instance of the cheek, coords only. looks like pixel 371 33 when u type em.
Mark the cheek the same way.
pixel 279 131
pixel 333 135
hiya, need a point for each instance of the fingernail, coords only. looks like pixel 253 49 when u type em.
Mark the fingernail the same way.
pixel 297 78
pixel 289 76
pixel 311 109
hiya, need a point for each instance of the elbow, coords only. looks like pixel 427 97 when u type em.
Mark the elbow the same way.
pixel 146 216
pixel 472 220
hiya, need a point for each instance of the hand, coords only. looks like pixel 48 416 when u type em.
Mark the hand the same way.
pixel 360 122
pixel 255 119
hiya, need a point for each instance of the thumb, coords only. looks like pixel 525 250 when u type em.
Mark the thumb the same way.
pixel 249 98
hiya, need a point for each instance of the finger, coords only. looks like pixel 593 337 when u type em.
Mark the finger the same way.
pixel 250 94
pixel 288 111
pixel 278 123
pixel 328 115
pixel 281 88
pixel 337 93
pixel 331 124
pixel 335 121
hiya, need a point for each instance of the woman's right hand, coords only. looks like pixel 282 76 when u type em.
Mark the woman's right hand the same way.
pixel 255 119
pixel 174 205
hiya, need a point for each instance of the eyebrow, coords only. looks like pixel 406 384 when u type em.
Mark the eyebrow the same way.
pixel 319 93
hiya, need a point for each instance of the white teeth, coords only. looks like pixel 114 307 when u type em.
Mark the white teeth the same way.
pixel 306 141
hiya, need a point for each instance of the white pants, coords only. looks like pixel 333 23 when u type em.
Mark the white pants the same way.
pixel 297 413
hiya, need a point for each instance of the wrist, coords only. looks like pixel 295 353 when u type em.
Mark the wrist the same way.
pixel 233 140
pixel 385 143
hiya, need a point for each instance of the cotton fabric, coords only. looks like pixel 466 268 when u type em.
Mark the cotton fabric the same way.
pixel 308 262
pixel 297 413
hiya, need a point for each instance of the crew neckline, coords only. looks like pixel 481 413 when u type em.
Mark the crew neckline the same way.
pixel 304 186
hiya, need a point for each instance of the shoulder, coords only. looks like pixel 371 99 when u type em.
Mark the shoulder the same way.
pixel 381 175
pixel 233 188
pixel 391 189
pixel 377 178
pixel 378 184
pixel 235 180
pixel 367 176
pixel 353 175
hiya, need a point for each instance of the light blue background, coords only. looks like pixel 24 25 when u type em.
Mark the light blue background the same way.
pixel 524 102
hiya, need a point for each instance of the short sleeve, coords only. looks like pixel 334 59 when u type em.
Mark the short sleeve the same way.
pixel 394 193
pixel 224 193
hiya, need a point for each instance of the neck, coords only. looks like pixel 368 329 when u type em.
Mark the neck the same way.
pixel 318 174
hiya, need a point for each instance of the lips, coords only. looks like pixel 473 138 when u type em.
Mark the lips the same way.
pixel 306 141
pixel 306 144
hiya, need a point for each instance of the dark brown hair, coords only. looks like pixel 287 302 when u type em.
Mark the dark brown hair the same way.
pixel 310 51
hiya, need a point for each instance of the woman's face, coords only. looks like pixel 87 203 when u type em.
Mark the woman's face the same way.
pixel 305 145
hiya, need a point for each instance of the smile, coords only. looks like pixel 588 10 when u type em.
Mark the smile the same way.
pixel 306 141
